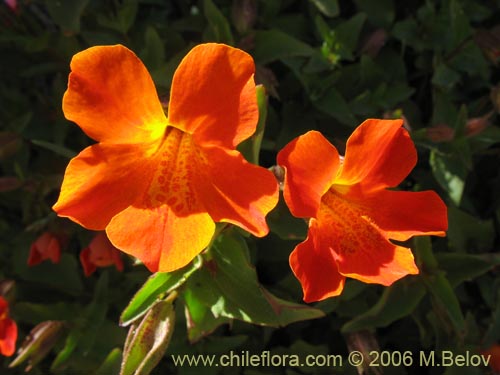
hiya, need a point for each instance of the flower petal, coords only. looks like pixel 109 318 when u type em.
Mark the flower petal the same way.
pixel 315 267
pixel 236 191
pixel 403 214
pixel 310 163
pixel 161 238
pixel 379 154
pixel 112 97
pixel 360 249
pixel 101 181
pixel 213 95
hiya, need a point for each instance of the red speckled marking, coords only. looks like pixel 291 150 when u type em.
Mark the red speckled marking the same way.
pixel 351 231
pixel 173 180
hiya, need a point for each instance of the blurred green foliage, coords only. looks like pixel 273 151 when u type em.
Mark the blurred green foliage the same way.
pixel 326 65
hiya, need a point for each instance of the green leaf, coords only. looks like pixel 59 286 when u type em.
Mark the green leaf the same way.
pixel 437 283
pixel 124 18
pixel 228 285
pixel 153 54
pixel 329 8
pixel 219 25
pixel 468 233
pixel 63 276
pixel 450 172
pixel 465 267
pixel 67 14
pixel 271 45
pixel 200 319
pixel 445 77
pixel 148 341
pixel 156 285
pixel 380 13
pixel 111 364
pixel 332 103
pixel 251 147
pixel 87 326
pixel 57 149
pixel 286 226
pixel 396 302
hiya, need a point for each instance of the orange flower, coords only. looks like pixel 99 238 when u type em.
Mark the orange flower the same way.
pixel 493 354
pixel 100 253
pixel 8 330
pixel 45 247
pixel 353 215
pixel 158 184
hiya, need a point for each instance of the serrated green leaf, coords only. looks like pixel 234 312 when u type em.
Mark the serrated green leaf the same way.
pixel 156 285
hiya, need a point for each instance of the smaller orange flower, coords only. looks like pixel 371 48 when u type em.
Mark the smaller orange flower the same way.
pixel 8 330
pixel 353 215
pixel 100 253
pixel 45 247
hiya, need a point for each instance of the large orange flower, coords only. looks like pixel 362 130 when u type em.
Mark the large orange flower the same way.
pixel 353 215
pixel 8 330
pixel 157 184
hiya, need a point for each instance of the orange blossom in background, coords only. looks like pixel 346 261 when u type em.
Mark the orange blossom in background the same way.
pixel 8 330
pixel 157 184
pixel 45 247
pixel 100 253
pixel 353 215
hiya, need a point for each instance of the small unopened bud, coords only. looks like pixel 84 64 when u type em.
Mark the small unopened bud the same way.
pixel 476 125
pixel 374 43
pixel 6 288
pixel 440 133
pixel 244 14
pixel 148 340
pixel 9 144
pixel 38 343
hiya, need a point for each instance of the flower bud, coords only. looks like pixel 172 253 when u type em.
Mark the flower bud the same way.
pixel 38 343
pixel 244 14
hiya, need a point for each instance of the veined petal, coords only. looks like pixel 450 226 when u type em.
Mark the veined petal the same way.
pixel 101 181
pixel 161 238
pixel 403 214
pixel 236 191
pixel 379 154
pixel 213 95
pixel 112 97
pixel 315 267
pixel 360 249
pixel 310 163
